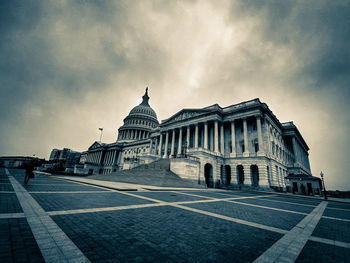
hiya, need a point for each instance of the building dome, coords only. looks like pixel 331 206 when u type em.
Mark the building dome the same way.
pixel 140 121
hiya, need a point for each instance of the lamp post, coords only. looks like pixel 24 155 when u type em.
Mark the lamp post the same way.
pixel 324 187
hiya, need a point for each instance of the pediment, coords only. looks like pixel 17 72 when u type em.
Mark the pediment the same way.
pixel 185 114
pixel 95 145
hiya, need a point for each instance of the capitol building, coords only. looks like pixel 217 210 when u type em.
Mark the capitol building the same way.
pixel 242 145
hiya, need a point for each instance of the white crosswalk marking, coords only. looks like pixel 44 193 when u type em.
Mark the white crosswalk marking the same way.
pixel 54 244
pixel 288 248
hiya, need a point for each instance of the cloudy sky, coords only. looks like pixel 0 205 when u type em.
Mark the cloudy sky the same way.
pixel 70 67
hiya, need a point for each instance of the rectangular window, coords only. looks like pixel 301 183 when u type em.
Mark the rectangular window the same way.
pixel 242 148
pixel 256 147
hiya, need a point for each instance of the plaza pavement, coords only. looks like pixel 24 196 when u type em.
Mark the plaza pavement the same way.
pixel 53 219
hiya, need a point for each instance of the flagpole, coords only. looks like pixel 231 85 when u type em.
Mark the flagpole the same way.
pixel 101 129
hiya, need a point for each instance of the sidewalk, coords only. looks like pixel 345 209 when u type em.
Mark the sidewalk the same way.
pixel 124 186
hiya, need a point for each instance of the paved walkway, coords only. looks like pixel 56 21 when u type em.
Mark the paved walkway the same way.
pixel 84 220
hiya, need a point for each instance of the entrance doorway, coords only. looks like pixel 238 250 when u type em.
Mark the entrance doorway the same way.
pixel 254 171
pixel 240 174
pixel 309 188
pixel 228 174
pixel 208 174
pixel 295 187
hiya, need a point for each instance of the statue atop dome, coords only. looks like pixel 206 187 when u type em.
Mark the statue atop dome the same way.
pixel 145 98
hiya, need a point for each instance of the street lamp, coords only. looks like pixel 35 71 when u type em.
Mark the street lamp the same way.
pixel 324 187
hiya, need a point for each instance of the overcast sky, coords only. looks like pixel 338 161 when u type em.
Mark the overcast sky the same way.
pixel 70 67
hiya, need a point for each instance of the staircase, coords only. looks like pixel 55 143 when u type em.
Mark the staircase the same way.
pixel 156 173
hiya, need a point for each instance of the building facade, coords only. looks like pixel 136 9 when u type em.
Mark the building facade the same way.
pixel 241 145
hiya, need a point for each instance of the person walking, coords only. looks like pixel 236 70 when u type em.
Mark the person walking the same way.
pixel 29 168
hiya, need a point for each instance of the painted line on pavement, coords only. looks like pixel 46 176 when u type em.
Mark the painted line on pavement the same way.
pixel 103 209
pixel 270 208
pixel 232 219
pixel 286 202
pixel 336 218
pixel 126 207
pixel 66 192
pixel 11 215
pixel 288 248
pixel 330 242
pixel 231 200
pixel 54 244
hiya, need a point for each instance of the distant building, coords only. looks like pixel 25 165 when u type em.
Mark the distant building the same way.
pixel 63 159
pixel 19 161
pixel 242 145
pixel 55 155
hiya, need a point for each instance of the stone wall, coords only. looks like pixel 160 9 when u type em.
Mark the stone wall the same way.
pixel 185 168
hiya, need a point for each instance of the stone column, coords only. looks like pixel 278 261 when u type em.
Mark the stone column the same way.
pixel 222 142
pixel 260 139
pixel 216 136
pixel 188 137
pixel 172 144
pixel 179 145
pixel 160 145
pixel 113 159
pixel 233 138
pixel 99 157
pixel 196 136
pixel 156 146
pixel 246 146
pixel 166 145
pixel 206 135
pixel 294 143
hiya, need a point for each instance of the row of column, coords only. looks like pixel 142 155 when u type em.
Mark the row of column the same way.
pixel 215 140
pixel 109 157
pixel 133 135
pixel 94 157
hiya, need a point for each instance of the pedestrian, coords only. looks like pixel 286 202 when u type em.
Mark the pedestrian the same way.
pixel 29 168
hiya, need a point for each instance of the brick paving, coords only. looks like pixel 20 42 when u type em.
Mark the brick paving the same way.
pixel 322 253
pixel 17 243
pixel 332 229
pixel 149 226
pixel 54 202
pixel 9 203
pixel 257 215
